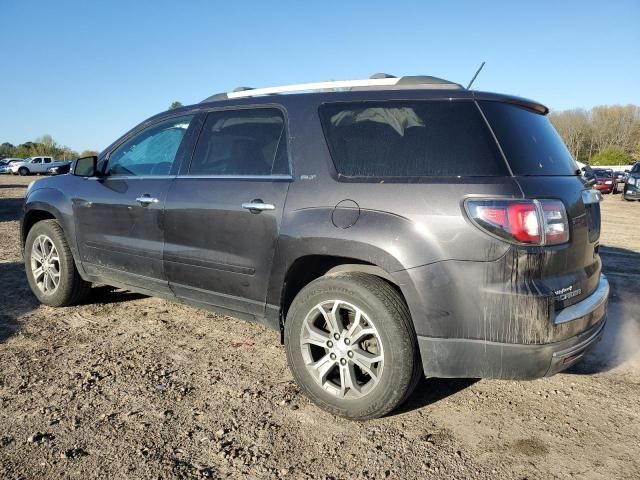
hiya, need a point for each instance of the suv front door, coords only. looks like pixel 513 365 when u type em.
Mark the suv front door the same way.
pixel 223 212
pixel 119 215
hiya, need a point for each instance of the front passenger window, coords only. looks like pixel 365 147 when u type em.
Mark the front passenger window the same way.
pixel 151 151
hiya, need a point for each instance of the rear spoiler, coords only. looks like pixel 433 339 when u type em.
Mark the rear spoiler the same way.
pixel 519 101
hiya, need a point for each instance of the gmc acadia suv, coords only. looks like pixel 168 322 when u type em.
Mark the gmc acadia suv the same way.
pixel 389 228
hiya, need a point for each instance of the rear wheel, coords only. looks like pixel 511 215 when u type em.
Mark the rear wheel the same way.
pixel 351 345
pixel 23 171
pixel 51 271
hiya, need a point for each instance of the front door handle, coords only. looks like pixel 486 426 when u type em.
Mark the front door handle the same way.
pixel 257 206
pixel 146 200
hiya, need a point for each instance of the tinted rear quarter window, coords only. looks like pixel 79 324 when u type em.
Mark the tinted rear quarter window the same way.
pixel 410 139
pixel 529 141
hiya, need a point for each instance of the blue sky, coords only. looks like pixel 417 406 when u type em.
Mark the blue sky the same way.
pixel 87 71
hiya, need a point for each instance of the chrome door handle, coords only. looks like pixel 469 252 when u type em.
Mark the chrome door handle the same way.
pixel 256 206
pixel 146 200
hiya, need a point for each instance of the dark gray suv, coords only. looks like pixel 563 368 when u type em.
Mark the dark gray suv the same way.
pixel 389 228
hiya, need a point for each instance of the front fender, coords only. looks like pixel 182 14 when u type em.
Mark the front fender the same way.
pixel 56 204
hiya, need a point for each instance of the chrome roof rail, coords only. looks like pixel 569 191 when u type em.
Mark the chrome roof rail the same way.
pixel 377 81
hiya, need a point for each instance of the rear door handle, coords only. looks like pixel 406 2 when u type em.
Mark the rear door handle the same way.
pixel 257 206
pixel 146 200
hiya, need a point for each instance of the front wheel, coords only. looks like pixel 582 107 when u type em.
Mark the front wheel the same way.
pixel 51 271
pixel 351 345
pixel 23 171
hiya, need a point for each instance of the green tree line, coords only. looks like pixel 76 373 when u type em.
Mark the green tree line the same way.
pixel 46 145
pixel 43 145
pixel 604 135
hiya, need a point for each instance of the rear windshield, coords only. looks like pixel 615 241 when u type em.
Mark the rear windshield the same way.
pixel 410 139
pixel 529 141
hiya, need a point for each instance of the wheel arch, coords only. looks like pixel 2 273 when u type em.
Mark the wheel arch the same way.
pixel 50 204
pixel 33 216
pixel 308 268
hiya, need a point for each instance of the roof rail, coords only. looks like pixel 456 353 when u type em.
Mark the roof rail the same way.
pixel 377 80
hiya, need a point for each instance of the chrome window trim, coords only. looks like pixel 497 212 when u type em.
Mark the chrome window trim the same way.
pixel 216 177
pixel 134 177
pixel 238 177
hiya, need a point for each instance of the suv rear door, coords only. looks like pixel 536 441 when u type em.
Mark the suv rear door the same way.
pixel 544 168
pixel 119 215
pixel 218 249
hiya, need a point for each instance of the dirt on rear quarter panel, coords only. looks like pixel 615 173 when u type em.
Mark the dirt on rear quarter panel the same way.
pixel 127 386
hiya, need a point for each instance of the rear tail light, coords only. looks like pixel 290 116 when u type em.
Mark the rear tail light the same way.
pixel 530 222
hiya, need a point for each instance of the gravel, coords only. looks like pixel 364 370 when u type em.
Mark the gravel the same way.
pixel 127 386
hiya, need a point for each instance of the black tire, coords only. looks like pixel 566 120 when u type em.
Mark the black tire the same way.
pixel 389 315
pixel 23 171
pixel 71 288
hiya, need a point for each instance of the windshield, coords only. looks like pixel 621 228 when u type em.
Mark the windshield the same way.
pixel 529 141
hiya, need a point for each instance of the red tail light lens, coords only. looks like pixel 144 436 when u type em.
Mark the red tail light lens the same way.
pixel 533 222
pixel 523 222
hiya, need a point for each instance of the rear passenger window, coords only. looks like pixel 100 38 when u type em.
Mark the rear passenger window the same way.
pixel 410 139
pixel 242 142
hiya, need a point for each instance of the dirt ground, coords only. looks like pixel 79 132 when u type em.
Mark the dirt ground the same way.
pixel 127 386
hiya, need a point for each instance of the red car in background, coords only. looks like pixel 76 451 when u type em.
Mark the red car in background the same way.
pixel 604 181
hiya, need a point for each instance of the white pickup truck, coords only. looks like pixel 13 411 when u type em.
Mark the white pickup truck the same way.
pixel 35 165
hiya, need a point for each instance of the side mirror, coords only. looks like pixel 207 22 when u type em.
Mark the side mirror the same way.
pixel 86 167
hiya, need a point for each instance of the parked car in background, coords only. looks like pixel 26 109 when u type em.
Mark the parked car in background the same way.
pixel 35 165
pixel 587 174
pixel 60 169
pixel 631 189
pixel 5 163
pixel 405 227
pixel 619 179
pixel 604 180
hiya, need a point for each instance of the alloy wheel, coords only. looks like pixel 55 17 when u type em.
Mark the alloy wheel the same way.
pixel 341 348
pixel 45 264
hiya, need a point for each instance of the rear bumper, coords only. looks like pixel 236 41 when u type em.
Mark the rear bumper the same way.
pixel 472 358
